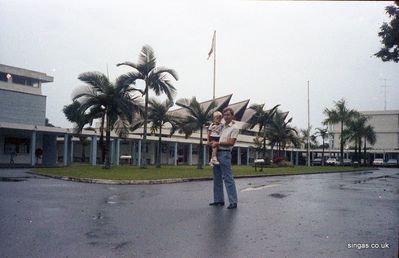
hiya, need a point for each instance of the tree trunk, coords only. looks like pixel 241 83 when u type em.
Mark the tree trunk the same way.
pixel 200 152
pixel 342 143
pixel 264 143
pixel 322 155
pixel 356 141
pixel 365 151
pixel 102 139
pixel 107 144
pixel 159 147
pixel 144 152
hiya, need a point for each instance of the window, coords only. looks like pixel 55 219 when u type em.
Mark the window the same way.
pixel 17 145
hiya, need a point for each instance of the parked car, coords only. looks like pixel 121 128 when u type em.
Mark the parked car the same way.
pixel 316 162
pixel 347 162
pixel 392 163
pixel 378 162
pixel 332 162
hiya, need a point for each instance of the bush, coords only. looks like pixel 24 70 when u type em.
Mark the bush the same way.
pixel 281 162
pixel 285 163
pixel 277 160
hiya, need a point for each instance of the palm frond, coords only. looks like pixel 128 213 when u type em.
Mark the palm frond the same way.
pixel 161 70
pixel 132 65
pixel 147 60
pixel 98 81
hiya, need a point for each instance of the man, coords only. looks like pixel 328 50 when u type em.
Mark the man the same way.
pixel 222 172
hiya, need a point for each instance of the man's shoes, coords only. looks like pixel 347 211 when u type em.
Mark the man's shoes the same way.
pixel 217 204
pixel 232 206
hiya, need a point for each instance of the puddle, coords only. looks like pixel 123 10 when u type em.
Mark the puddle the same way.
pixel 259 187
pixel 278 195
pixel 111 199
pixel 120 245
pixel 372 178
pixel 12 179
pixel 363 173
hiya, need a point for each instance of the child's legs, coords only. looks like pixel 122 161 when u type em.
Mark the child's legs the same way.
pixel 214 152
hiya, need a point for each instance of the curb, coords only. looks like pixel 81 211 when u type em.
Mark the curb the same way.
pixel 177 180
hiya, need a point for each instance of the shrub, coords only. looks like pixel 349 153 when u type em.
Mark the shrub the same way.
pixel 277 160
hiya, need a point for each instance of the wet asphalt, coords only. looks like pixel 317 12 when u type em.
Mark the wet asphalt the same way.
pixel 322 215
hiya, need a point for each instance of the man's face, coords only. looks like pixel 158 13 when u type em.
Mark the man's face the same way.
pixel 227 117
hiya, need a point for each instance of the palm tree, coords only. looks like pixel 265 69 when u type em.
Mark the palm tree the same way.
pixel 196 120
pixel 158 116
pixel 341 114
pixel 354 132
pixel 261 118
pixel 312 138
pixel 280 133
pixel 74 114
pixel 155 78
pixel 369 136
pixel 323 133
pixel 115 100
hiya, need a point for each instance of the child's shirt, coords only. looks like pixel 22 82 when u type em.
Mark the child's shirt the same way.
pixel 215 129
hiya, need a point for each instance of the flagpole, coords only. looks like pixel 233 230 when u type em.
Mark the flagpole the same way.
pixel 308 128
pixel 214 66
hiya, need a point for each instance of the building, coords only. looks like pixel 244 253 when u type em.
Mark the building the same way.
pixel 25 139
pixel 386 126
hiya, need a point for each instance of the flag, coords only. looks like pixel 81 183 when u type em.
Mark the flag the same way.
pixel 213 45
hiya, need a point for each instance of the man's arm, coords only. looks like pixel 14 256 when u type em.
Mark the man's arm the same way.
pixel 230 142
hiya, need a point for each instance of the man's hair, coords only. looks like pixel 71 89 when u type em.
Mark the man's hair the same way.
pixel 217 113
pixel 229 109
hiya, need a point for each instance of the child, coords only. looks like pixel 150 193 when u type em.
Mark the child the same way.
pixel 214 131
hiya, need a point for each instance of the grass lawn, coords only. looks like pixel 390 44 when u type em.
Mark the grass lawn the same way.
pixel 152 173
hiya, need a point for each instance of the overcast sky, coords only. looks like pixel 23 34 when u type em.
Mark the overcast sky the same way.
pixel 266 51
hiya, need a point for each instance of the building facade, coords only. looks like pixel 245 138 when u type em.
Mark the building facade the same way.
pixel 25 139
pixel 386 127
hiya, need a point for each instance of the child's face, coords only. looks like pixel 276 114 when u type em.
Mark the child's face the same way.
pixel 217 119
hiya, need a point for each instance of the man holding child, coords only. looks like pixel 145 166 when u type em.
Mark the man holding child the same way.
pixel 222 162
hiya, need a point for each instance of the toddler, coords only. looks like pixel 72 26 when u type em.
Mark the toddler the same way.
pixel 214 131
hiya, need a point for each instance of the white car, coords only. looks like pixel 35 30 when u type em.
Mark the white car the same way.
pixel 332 162
pixel 378 162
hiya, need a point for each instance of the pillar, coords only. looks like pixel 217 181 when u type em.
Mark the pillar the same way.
pixel 117 151
pixel 139 153
pixel 190 154
pixel 238 156
pixel 93 150
pixel 71 151
pixel 248 156
pixel 297 158
pixel 65 156
pixel 132 152
pixel 112 152
pixel 292 157
pixel 175 154
pixel 33 149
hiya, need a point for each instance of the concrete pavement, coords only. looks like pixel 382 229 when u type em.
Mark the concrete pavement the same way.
pixel 322 215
